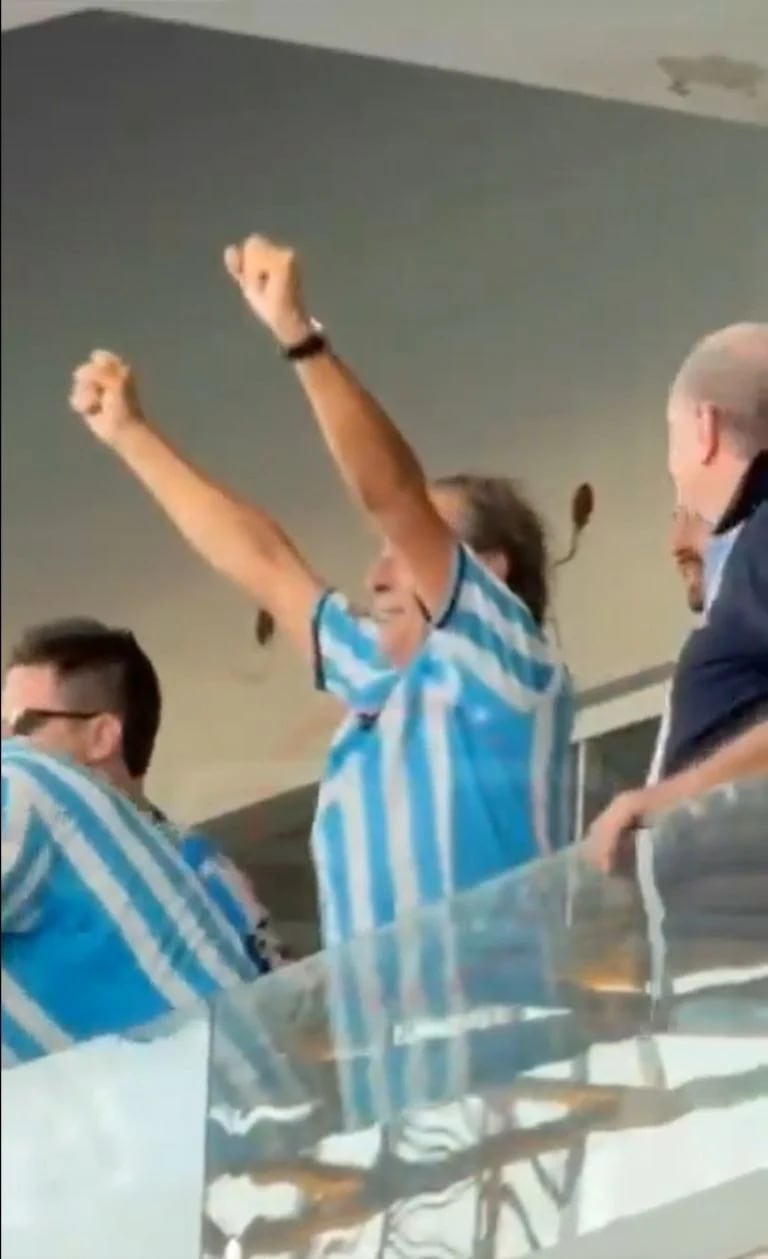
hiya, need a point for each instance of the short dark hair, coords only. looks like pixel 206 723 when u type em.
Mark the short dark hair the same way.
pixel 500 518
pixel 105 669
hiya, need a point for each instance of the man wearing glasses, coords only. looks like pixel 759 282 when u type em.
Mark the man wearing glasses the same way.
pixel 109 917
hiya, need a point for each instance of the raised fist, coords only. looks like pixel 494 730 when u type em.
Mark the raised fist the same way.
pixel 104 395
pixel 268 277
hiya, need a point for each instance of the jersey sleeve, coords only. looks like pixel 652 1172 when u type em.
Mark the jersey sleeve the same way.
pixel 26 849
pixel 490 632
pixel 347 659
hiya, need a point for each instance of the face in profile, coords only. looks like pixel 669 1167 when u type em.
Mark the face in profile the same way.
pixel 394 606
pixel 37 706
pixel 688 541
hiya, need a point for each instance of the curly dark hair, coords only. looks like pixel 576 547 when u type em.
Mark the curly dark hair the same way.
pixel 500 518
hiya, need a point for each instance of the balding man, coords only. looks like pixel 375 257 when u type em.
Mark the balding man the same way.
pixel 718 459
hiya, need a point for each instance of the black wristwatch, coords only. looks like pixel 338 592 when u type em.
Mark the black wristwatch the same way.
pixel 314 343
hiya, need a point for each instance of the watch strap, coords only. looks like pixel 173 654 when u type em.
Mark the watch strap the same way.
pixel 314 343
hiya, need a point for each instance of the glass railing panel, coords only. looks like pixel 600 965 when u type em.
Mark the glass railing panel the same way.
pixel 557 1062
pixel 103 1147
pixel 551 1055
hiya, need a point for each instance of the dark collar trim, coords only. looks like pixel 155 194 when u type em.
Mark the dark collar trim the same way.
pixel 750 494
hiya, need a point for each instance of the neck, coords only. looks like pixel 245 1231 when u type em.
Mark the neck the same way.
pixel 723 487
pixel 118 777
pixel 135 792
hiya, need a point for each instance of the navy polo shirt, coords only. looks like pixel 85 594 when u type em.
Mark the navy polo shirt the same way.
pixel 720 686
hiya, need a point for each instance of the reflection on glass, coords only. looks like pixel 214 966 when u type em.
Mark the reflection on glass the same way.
pixel 538 1059
pixel 616 761
pixel 547 1057
pixel 103 1147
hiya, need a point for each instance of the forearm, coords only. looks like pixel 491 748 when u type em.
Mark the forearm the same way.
pixel 744 757
pixel 376 463
pixel 237 539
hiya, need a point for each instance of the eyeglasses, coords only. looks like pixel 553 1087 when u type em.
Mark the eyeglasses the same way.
pixel 30 720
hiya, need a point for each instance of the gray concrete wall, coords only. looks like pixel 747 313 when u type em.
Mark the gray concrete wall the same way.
pixel 516 271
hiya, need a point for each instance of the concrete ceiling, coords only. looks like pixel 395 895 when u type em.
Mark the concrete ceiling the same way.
pixel 699 56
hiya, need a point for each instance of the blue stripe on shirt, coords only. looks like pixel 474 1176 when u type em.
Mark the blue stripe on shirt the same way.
pixel 458 773
pixel 150 870
pixel 377 855
pixel 203 857
pixel 117 931
pixel 432 872
pixel 18 1045
pixel 230 890
pixel 537 674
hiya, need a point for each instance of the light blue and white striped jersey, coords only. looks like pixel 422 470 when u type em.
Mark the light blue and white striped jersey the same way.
pixel 230 890
pixel 105 926
pixel 447 773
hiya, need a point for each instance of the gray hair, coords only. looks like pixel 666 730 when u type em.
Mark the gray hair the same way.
pixel 729 370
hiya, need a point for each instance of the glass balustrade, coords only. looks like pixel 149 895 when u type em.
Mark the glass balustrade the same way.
pixel 557 1063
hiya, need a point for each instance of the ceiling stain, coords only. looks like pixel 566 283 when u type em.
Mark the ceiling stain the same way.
pixel 687 73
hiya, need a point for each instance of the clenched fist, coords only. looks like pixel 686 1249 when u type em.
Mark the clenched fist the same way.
pixel 269 279
pixel 104 394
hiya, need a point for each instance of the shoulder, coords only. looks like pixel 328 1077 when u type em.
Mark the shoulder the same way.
pixel 475 586
pixel 73 804
pixel 19 757
pixel 750 532
pixel 334 611
pixel 30 816
pixel 36 776
pixel 744 586
pixel 750 539
pixel 486 626
pixel 203 855
pixel 195 848
pixel 753 539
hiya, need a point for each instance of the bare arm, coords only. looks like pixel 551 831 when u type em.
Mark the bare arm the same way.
pixel 743 757
pixel 237 539
pixel 376 463
pixel 382 473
